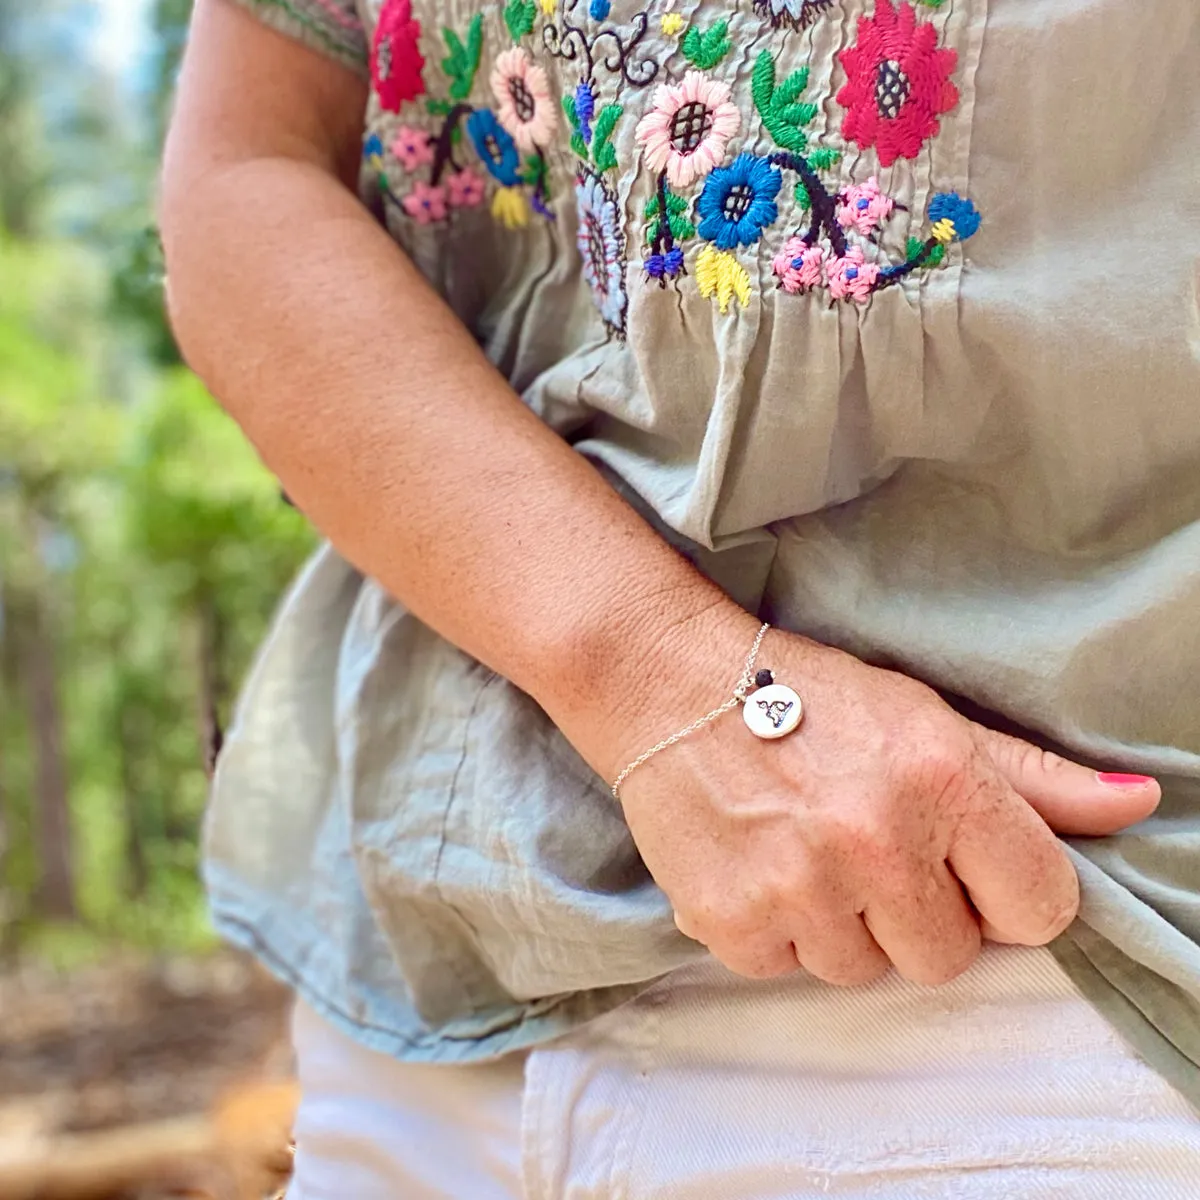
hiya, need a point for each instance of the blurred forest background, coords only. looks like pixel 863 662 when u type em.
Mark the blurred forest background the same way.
pixel 142 546
pixel 142 550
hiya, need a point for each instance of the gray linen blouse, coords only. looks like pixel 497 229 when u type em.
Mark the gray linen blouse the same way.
pixel 887 313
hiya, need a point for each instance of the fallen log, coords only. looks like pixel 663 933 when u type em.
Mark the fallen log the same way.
pixel 240 1151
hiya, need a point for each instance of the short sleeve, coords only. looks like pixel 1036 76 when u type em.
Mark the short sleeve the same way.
pixel 331 27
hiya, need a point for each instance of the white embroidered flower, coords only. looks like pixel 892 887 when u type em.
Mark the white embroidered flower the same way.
pixel 687 130
pixel 601 246
pixel 523 102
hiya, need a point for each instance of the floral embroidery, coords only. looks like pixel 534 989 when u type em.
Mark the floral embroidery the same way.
pixel 495 148
pixel 601 247
pixel 519 16
pixel 705 50
pixel 852 276
pixel 671 23
pixel 796 13
pixel 799 266
pixel 954 219
pixel 510 208
pixel 412 147
pixel 863 207
pixel 688 128
pixel 899 83
pixel 464 189
pixel 425 203
pixel 396 62
pixel 738 202
pixel 719 274
pixel 524 105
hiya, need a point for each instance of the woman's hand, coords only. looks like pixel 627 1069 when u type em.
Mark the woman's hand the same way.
pixel 886 829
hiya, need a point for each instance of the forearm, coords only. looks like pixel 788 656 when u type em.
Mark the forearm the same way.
pixel 392 432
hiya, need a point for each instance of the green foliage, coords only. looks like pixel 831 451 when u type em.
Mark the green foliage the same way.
pixel 677 221
pixel 603 154
pixel 519 16
pixel 779 106
pixel 142 544
pixel 802 197
pixel 463 60
pixel 705 50
pixel 824 158
pixel 932 259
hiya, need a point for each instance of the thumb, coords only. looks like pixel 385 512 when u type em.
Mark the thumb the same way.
pixel 1071 799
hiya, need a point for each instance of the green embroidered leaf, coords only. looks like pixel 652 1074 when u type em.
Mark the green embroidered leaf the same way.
pixel 932 3
pixel 802 198
pixel 578 145
pixel 463 61
pixel 518 16
pixel 789 90
pixel 606 121
pixel 437 108
pixel 534 171
pixel 603 154
pixel 676 204
pixel 568 107
pixel 651 209
pixel 705 50
pixel 823 158
pixel 914 248
pixel 652 229
pixel 795 114
pixel 681 228
pixel 781 113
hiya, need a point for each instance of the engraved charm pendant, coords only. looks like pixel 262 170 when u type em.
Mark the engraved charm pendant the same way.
pixel 772 711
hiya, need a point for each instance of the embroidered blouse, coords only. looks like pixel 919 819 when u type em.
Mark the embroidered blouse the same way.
pixel 886 312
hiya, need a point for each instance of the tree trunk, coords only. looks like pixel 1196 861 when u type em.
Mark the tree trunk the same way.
pixel 56 883
pixel 137 864
pixel 56 888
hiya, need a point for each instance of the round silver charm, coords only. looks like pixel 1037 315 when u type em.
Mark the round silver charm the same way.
pixel 772 711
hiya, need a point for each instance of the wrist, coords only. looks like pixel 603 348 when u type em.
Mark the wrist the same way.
pixel 639 669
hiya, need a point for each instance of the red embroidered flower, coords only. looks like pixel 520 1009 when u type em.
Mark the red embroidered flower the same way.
pixel 899 83
pixel 396 61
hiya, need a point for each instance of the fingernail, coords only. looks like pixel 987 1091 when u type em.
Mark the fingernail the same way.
pixel 1117 779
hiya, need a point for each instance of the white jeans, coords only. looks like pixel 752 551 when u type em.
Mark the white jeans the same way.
pixel 1004 1085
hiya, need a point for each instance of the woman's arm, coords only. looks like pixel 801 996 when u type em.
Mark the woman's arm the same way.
pixel 845 846
pixel 384 421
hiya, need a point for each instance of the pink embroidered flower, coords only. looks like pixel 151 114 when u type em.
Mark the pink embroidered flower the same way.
pixel 799 265
pixel 426 203
pixel 396 61
pixel 524 106
pixel 899 83
pixel 687 130
pixel 864 207
pixel 852 277
pixel 412 147
pixel 464 189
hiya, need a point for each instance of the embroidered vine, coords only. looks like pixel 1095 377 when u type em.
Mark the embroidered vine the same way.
pixel 898 85
pixel 600 232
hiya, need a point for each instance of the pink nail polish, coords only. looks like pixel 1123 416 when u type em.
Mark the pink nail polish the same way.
pixel 1117 779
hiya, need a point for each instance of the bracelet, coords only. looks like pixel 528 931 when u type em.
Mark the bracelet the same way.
pixel 776 710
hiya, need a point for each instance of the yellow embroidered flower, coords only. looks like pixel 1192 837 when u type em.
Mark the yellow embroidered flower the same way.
pixel 548 7
pixel 510 208
pixel 672 23
pixel 944 230
pixel 718 273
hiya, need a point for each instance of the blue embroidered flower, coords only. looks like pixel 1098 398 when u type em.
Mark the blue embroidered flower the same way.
pixel 495 147
pixel 738 202
pixel 952 217
pixel 373 152
pixel 600 9
pixel 601 246
pixel 665 266
pixel 585 109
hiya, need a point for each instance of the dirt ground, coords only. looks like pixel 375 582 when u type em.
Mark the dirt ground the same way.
pixel 131 1043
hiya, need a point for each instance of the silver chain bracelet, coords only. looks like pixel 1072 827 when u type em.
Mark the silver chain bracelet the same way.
pixel 776 710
